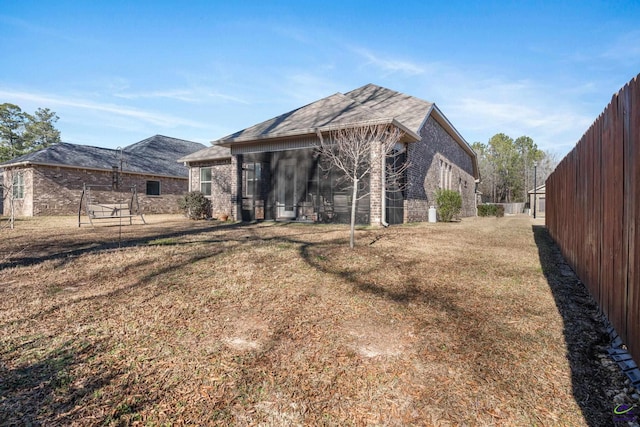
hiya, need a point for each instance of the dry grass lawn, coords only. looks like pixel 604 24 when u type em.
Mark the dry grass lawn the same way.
pixel 200 323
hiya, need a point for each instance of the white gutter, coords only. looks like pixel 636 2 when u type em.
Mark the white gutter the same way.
pixel 189 169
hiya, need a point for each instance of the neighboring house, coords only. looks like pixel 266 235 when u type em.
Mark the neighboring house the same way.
pixel 275 173
pixel 50 181
pixel 537 199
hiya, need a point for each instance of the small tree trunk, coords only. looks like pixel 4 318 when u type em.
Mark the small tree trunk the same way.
pixel 13 211
pixel 354 201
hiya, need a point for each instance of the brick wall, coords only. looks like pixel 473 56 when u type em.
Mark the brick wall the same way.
pixel 436 149
pixel 220 184
pixel 53 190
pixel 171 190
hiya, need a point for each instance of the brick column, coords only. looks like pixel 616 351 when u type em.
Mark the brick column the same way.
pixel 236 191
pixel 375 185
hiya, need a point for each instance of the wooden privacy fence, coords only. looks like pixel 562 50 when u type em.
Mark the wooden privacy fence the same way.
pixel 593 208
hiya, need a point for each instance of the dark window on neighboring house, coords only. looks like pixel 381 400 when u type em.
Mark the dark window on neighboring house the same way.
pixel 18 186
pixel 205 181
pixel 153 188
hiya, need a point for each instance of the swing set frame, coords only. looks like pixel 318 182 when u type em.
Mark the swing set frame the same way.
pixel 96 210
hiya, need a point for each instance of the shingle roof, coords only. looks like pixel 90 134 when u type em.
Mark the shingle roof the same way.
pixel 214 152
pixel 156 155
pixel 367 103
pixel 408 110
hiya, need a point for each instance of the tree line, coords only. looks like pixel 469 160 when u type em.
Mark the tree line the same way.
pixel 22 133
pixel 507 168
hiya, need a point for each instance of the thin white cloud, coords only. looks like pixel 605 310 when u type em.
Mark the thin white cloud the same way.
pixel 183 95
pixel 47 32
pixel 51 101
pixel 481 107
pixel 390 65
pixel 304 87
pixel 625 48
pixel 526 116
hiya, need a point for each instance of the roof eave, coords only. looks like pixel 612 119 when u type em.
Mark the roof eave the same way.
pixel 23 163
pixel 189 159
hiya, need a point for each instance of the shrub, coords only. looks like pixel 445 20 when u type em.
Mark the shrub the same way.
pixel 195 205
pixel 491 210
pixel 449 204
pixel 487 210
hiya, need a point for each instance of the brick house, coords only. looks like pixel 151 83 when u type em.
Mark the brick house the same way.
pixel 274 171
pixel 50 181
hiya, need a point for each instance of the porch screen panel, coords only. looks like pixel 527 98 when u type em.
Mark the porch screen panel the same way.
pixel 252 203
pixel 289 186
pixel 394 194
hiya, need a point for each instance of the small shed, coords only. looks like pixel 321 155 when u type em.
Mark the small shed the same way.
pixel 537 201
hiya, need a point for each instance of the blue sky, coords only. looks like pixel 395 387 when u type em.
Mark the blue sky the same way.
pixel 117 72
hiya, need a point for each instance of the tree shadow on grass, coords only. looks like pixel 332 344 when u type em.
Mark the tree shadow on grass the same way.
pixel 585 334
pixel 47 390
pixel 55 382
pixel 63 250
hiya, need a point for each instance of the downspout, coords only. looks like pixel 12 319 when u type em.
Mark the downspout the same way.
pixel 475 195
pixel 383 190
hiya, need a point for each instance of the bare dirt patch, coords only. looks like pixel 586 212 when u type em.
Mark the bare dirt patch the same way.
pixel 185 322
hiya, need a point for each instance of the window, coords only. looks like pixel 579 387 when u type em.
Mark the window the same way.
pixel 445 176
pixel 205 181
pixel 251 179
pixel 153 188
pixel 18 186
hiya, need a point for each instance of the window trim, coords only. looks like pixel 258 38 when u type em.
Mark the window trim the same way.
pixel 251 179
pixel 210 181
pixel 17 186
pixel 159 188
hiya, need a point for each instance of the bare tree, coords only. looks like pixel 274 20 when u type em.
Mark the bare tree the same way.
pixel 6 191
pixel 356 152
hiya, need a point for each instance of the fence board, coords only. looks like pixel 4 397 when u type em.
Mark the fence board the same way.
pixel 593 207
pixel 633 163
